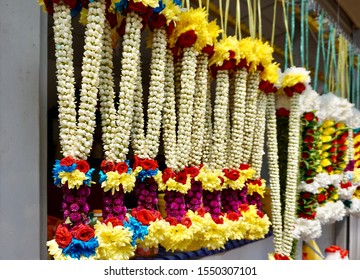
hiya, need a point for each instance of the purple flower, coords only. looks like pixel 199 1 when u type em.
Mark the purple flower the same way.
pixel 64 206
pixel 69 198
pixel 107 201
pixel 117 209
pixel 174 205
pixel 108 209
pixel 118 201
pixel 74 207
pixel 81 200
pixel 148 199
pixel 66 213
pixel 84 191
pixel 155 200
pixel 75 217
pixel 85 208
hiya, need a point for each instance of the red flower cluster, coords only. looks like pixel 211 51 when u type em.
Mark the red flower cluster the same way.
pixel 231 174
pixel 187 39
pixel 345 185
pixel 297 88
pixel 147 163
pixel 63 236
pixel 233 216
pixel 145 216
pixel 282 112
pixel 281 257
pixel 267 87
pixel 81 165
pixel 120 167
pixel 186 221
pixel 114 221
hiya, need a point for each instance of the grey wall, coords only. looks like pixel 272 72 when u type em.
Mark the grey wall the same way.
pixel 21 213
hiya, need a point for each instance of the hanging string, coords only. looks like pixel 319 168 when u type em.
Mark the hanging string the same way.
pixel 227 3
pixel 331 73
pixel 207 6
pixel 288 48
pixel 358 82
pixel 292 23
pixel 351 73
pixel 200 4
pixel 306 34
pixel 302 31
pixel 325 62
pixel 254 7
pixel 274 23
pixel 221 18
pixel 251 20
pixel 320 36
pixel 238 20
pixel 188 4
pixel 260 20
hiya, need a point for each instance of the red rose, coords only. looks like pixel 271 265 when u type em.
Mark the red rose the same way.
pixel 242 63
pixel 83 232
pixel 233 216
pixel 332 150
pixel 227 64
pixel 306 195
pixel 170 28
pixel 341 141
pixel 218 220
pixel 281 257
pixel 309 181
pixel 107 166
pixel 121 167
pixel 310 146
pixel 63 236
pixel 186 221
pixel 329 169
pixel 308 139
pixel 232 174
pixel 345 185
pixel 82 166
pixel 333 159
pixel 181 177
pixel 299 87
pixel 321 197
pixel 244 166
pixel 244 207
pixel 305 155
pixel 137 7
pixel 310 131
pixel 67 161
pixel 342 148
pixel 260 68
pixel 260 213
pixel 157 21
pixel 144 216
pixel 263 85
pixel 201 211
pixel 137 162
pixel 309 116
pixel 71 3
pixel 114 221
pixel 172 221
pixel 209 50
pixel 289 91
pixel 192 171
pixel 149 164
pixel 187 39
pixel 282 112
pixel 309 172
pixel 167 174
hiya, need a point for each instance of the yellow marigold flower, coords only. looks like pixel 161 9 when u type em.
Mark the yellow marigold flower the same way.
pixel 74 179
pixel 156 234
pixel 177 237
pixel 325 147
pixel 328 123
pixel 114 242
pixel 258 226
pixel 148 3
pixel 294 75
pixel 255 188
pixel 115 180
pixel 171 11
pixel 325 138
pixel 319 169
pixel 215 235
pixel 356 175
pixel 325 162
pixel 222 48
pixel 324 155
pixel 271 73
pixel 210 179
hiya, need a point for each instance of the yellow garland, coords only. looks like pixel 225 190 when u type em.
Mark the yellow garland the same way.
pixel 115 180
pixel 237 229
pixel 177 237
pixel 171 11
pixel 172 185
pixel 210 179
pixel 156 234
pixel 214 235
pixel 222 48
pixel 114 242
pixel 271 73
pixel 55 251
pixel 292 77
pixel 74 179
pixel 258 227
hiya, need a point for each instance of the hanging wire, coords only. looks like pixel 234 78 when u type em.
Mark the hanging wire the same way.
pixel 238 20
pixel 274 24
pixel 260 20
pixel 292 23
pixel 306 34
pixel 227 4
pixel 302 31
pixel 358 82
pixel 251 19
pixel 288 47
pixel 221 18
pixel 320 35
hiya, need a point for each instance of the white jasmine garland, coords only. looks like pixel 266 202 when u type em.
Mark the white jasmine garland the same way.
pixel 330 212
pixel 65 77
pixel 198 129
pixel 350 149
pixel 309 100
pixel 259 136
pixel 206 157
pixel 107 95
pixel 252 93
pixel 90 79
pixel 186 101
pixel 291 174
pixel 274 181
pixel 354 207
pixel 220 120
pixel 156 93
pixel 129 62
pixel 238 118
pixel 169 113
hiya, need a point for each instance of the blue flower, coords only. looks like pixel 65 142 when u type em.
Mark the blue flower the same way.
pixel 178 2
pixel 143 174
pixel 89 176
pixel 121 6
pixel 159 8
pixel 78 248
pixel 129 168
pixel 61 168
pixel 77 9
pixel 103 177
pixel 139 231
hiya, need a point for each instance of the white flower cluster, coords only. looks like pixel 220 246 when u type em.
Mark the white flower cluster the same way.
pixel 169 113
pixel 65 78
pixel 321 180
pixel 238 118
pixel 129 72
pixel 206 155
pixel 218 156
pixel 250 114
pixel 330 212
pixel 291 173
pixel 335 108
pixel 198 129
pixel 186 102
pixel 156 92
pixel 107 95
pixel 307 229
pixel 259 136
pixel 309 100
pixel 90 78
pixel 354 207
pixel 274 181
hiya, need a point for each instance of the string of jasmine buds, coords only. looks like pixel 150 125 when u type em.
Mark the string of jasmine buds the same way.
pixel 250 115
pixel 199 116
pixel 156 92
pixel 90 79
pixel 220 120
pixel 206 157
pixel 350 150
pixel 229 110
pixel 291 174
pixel 259 136
pixel 169 113
pixel 107 94
pixel 238 117
pixel 65 77
pixel 129 62
pixel 274 182
pixel 177 77
pixel 186 102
